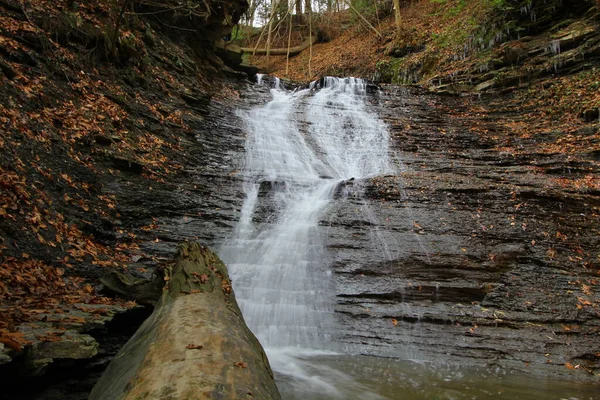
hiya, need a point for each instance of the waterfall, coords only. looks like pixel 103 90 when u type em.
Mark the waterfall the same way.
pixel 300 146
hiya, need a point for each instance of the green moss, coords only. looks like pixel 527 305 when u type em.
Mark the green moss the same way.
pixel 502 5
pixel 388 69
pixel 457 9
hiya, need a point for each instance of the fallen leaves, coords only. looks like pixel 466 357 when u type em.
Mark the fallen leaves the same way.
pixel 50 337
pixel 192 346
pixel 14 340
pixel 568 365
pixel 240 364
pixel 202 278
pixel 52 201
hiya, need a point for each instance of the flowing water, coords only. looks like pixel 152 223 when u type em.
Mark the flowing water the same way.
pixel 300 147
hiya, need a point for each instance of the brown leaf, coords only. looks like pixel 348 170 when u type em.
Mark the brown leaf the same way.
pixel 586 289
pixel 192 346
pixel 10 342
pixel 240 364
pixel 568 365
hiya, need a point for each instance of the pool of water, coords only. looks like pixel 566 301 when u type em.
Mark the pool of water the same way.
pixel 315 375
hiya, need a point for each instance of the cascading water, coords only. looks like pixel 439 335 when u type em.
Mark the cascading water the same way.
pixel 300 147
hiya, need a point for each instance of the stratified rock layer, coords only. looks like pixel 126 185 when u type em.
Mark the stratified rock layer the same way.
pixel 469 253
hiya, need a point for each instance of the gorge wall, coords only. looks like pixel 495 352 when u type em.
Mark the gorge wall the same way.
pixel 101 104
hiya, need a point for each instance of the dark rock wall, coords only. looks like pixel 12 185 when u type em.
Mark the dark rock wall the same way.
pixel 104 138
pixel 468 254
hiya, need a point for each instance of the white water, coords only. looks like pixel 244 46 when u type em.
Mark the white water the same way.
pixel 299 147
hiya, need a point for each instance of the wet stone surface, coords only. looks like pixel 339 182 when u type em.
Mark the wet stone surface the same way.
pixel 466 254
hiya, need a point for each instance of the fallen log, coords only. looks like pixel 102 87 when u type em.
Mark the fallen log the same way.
pixel 195 345
pixel 282 51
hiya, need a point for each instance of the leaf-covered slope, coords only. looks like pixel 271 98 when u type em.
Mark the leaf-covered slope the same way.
pixel 92 94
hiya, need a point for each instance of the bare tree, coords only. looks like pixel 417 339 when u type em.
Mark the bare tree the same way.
pixel 397 16
pixel 274 4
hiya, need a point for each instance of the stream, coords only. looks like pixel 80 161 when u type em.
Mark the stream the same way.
pixel 307 151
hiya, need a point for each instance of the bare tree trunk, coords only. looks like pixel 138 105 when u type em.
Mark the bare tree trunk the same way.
pixel 251 18
pixel 115 38
pixel 280 51
pixel 299 8
pixel 195 345
pixel 287 59
pixel 311 40
pixel 363 18
pixel 377 14
pixel 274 4
pixel 308 7
pixel 397 16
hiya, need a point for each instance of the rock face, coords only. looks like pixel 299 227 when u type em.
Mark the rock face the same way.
pixel 478 254
pixel 194 345
pixel 46 343
pixel 468 254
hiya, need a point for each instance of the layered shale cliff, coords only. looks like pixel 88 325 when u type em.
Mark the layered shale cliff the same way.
pixel 107 120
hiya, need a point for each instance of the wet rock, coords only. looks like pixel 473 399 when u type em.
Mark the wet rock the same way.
pixel 591 115
pixel 143 291
pixel 452 89
pixel 58 338
pixel 484 85
pixel 127 164
pixel 72 345
pixel 104 140
pixel 195 100
pixel 8 71
pixel 456 247
pixel 269 187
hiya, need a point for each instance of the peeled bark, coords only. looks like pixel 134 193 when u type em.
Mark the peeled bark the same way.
pixel 195 345
pixel 283 51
